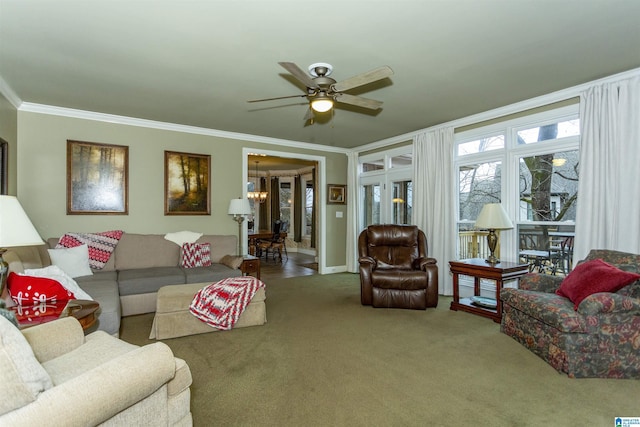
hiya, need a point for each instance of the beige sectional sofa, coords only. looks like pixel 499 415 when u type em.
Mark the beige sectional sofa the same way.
pixel 140 265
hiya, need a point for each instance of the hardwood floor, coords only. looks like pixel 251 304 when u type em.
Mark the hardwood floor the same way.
pixel 292 267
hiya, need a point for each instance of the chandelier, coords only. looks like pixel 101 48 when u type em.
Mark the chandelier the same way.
pixel 257 196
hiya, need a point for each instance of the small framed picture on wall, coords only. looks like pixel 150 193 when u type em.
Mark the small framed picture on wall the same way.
pixel 337 194
pixel 97 179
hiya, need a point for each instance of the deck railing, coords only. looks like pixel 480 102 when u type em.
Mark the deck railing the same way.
pixel 473 244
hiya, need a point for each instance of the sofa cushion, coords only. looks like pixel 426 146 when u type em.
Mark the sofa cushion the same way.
pixel 148 280
pixel 220 245
pixel 23 378
pixel 145 251
pixel 592 277
pixel 213 273
pixel 73 261
pixel 98 348
pixel 106 293
pixel 195 255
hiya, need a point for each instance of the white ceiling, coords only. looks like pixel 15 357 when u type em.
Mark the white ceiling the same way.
pixel 198 62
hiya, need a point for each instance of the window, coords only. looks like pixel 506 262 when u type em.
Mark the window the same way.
pixel 530 165
pixel 286 200
pixel 386 187
pixel 308 209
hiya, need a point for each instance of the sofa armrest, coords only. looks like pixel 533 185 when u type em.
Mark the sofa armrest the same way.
pixel 540 282
pixel 609 303
pixel 99 394
pixel 53 339
pixel 232 261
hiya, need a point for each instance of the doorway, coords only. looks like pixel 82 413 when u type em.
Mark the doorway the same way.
pixel 287 187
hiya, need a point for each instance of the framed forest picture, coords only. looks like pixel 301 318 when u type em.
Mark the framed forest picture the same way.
pixel 186 183
pixel 97 178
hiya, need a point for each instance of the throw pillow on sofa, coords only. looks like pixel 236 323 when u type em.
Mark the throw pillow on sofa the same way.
pixel 592 277
pixel 195 255
pixel 73 261
pixel 29 290
pixel 23 377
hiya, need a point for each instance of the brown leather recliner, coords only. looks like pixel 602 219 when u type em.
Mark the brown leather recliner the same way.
pixel 395 271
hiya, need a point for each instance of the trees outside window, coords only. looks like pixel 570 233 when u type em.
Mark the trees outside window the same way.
pixel 529 164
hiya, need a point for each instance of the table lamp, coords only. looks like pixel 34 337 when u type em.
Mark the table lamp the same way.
pixel 239 208
pixel 493 217
pixel 15 230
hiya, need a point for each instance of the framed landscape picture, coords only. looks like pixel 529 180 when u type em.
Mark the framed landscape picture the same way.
pixel 97 179
pixel 337 194
pixel 186 183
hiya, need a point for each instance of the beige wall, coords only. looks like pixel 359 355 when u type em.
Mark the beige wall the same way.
pixel 41 178
pixel 9 132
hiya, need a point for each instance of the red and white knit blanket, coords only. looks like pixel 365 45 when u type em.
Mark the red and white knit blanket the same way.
pixel 221 303
pixel 101 245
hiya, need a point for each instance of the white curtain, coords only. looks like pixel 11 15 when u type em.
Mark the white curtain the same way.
pixel 352 212
pixel 434 196
pixel 608 208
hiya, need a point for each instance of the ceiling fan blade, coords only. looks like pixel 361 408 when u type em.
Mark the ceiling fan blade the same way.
pixel 358 101
pixel 364 78
pixel 297 72
pixel 278 97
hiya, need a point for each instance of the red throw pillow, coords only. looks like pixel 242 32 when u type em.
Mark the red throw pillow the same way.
pixel 195 255
pixel 29 290
pixel 592 277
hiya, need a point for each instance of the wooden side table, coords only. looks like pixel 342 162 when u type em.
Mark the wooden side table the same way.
pixel 250 266
pixel 478 268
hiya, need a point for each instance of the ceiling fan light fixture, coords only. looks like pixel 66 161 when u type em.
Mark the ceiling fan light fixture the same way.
pixel 322 104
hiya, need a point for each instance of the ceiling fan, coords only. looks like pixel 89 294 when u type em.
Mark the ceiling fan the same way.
pixel 323 91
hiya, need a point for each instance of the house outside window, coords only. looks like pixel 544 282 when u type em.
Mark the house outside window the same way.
pixel 530 165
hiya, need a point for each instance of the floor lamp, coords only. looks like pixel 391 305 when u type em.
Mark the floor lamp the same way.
pixel 15 230
pixel 239 208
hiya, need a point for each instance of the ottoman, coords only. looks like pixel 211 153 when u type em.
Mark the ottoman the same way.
pixel 173 318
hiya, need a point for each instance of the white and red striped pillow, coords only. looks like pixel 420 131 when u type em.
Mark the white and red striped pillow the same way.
pixel 195 255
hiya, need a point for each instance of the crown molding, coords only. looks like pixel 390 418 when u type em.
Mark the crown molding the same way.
pixel 132 121
pixel 8 93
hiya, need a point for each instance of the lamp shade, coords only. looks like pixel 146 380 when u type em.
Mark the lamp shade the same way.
pixel 239 207
pixel 493 217
pixel 15 227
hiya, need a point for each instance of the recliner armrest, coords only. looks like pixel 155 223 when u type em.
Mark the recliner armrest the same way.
pixel 422 263
pixel 102 392
pixel 367 260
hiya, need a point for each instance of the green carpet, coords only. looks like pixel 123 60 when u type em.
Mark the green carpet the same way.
pixel 322 359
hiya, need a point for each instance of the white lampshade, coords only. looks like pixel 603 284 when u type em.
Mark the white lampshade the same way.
pixel 493 217
pixel 239 207
pixel 15 227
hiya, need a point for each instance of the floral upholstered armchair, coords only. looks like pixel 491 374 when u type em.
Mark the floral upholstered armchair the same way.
pixel 582 331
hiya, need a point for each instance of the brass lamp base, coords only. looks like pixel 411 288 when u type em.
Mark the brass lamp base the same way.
pixel 492 242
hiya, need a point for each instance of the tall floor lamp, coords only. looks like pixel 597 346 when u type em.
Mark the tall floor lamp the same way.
pixel 493 217
pixel 15 230
pixel 239 208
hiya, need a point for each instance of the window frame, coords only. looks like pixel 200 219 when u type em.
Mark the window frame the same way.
pixel 509 156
